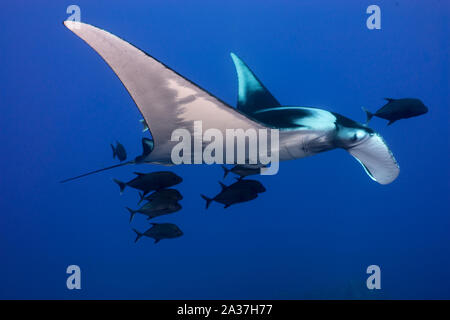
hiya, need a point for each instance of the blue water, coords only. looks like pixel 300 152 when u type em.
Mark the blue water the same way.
pixel 321 222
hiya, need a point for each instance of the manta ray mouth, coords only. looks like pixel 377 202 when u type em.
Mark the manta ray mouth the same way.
pixel 376 159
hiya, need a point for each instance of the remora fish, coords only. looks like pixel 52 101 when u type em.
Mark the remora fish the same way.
pixel 242 170
pixel 160 231
pixel 396 109
pixel 119 151
pixel 171 194
pixel 168 101
pixel 156 208
pixel 144 125
pixel 253 185
pixel 147 182
pixel 235 193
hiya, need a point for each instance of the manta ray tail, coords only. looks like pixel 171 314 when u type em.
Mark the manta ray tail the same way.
pixel 96 171
pixel 147 148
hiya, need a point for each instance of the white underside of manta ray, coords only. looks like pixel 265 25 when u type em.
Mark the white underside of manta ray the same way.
pixel 168 101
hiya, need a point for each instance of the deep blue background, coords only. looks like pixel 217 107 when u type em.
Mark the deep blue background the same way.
pixel 322 220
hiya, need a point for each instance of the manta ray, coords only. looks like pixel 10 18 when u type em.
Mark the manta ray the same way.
pixel 168 101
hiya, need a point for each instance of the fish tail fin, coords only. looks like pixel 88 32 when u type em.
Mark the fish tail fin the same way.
pixel 121 185
pixel 225 171
pixel 114 151
pixel 369 115
pixel 138 235
pixel 141 197
pixel 132 213
pixel 222 185
pixel 208 200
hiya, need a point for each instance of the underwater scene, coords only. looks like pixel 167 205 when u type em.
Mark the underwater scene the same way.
pixel 171 150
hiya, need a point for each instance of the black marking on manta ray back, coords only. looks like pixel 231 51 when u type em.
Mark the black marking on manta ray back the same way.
pixel 285 117
pixel 346 122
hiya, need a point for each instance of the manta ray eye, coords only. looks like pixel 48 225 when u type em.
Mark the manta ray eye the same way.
pixel 360 134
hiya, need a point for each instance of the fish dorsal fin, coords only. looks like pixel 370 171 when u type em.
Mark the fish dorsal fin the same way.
pixel 252 95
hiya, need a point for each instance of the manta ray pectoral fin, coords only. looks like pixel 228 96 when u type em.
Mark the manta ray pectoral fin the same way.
pixel 166 100
pixel 376 159
pixel 252 95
